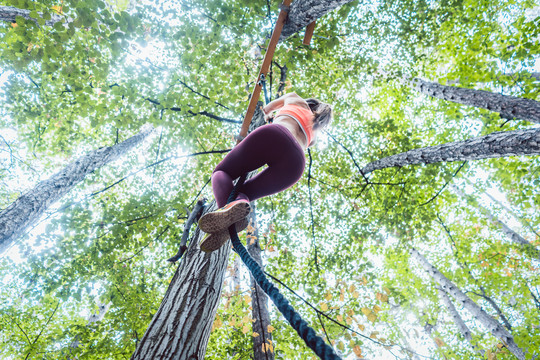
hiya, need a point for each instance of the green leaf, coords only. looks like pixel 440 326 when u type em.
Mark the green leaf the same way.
pixel 58 26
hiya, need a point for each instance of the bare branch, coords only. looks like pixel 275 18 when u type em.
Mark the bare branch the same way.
pixel 444 186
pixel 192 218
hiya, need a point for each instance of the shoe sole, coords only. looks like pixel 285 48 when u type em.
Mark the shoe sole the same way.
pixel 215 222
pixel 216 240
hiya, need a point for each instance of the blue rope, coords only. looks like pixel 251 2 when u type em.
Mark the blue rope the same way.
pixel 316 343
pixel 263 84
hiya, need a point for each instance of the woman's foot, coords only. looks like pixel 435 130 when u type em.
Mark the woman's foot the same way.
pixel 220 220
pixel 212 242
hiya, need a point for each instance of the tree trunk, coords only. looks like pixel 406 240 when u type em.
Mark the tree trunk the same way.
pixel 476 311
pixel 303 13
pixel 236 279
pixel 181 327
pixel 496 144
pixel 516 216
pixel 9 13
pixel 192 217
pixel 508 106
pixel 462 327
pixel 495 307
pixel 263 348
pixel 508 210
pixel 467 268
pixel 510 234
pixel 26 210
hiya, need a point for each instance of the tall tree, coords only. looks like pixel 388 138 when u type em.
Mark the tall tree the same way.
pixel 27 209
pixel 458 320
pixel 497 144
pixel 158 341
pixel 508 106
pixel 78 83
pixel 507 231
pixel 181 326
pixel 467 269
pixel 10 13
pixel 508 210
pixel 476 311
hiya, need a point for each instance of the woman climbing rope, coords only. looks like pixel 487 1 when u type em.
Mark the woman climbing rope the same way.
pixel 280 145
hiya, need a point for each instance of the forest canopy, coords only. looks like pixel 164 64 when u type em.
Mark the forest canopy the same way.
pixel 413 233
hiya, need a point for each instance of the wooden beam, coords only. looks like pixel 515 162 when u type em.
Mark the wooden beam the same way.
pixel 282 17
pixel 309 33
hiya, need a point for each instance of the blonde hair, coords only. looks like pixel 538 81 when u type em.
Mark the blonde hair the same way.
pixel 323 113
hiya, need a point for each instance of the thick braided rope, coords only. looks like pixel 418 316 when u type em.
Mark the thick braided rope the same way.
pixel 316 343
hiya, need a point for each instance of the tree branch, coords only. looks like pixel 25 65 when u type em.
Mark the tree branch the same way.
pixel 192 218
pixel 145 246
pixel 205 113
pixel 198 93
pixel 156 163
pixel 340 324
pixel 467 268
pixel 444 186
pixel 282 79
pixel 311 214
pixel 47 323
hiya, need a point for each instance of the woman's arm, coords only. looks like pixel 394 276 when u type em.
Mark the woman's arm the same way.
pixel 290 98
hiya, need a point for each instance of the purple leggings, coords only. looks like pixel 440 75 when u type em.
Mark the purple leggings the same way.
pixel 271 145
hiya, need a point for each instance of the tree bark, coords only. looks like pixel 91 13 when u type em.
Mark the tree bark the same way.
pixel 462 327
pixel 181 327
pixel 303 13
pixel 26 210
pixel 236 279
pixel 515 75
pixel 495 307
pixel 508 106
pixel 10 13
pixel 496 144
pixel 263 348
pixel 476 311
pixel 282 80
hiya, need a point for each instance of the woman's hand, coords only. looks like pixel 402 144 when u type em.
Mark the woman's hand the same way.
pixel 269 117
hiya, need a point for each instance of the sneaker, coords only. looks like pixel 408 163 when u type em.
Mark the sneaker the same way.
pixel 221 219
pixel 214 241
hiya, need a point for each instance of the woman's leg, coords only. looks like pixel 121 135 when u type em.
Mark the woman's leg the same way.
pixel 243 158
pixel 222 185
pixel 271 145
